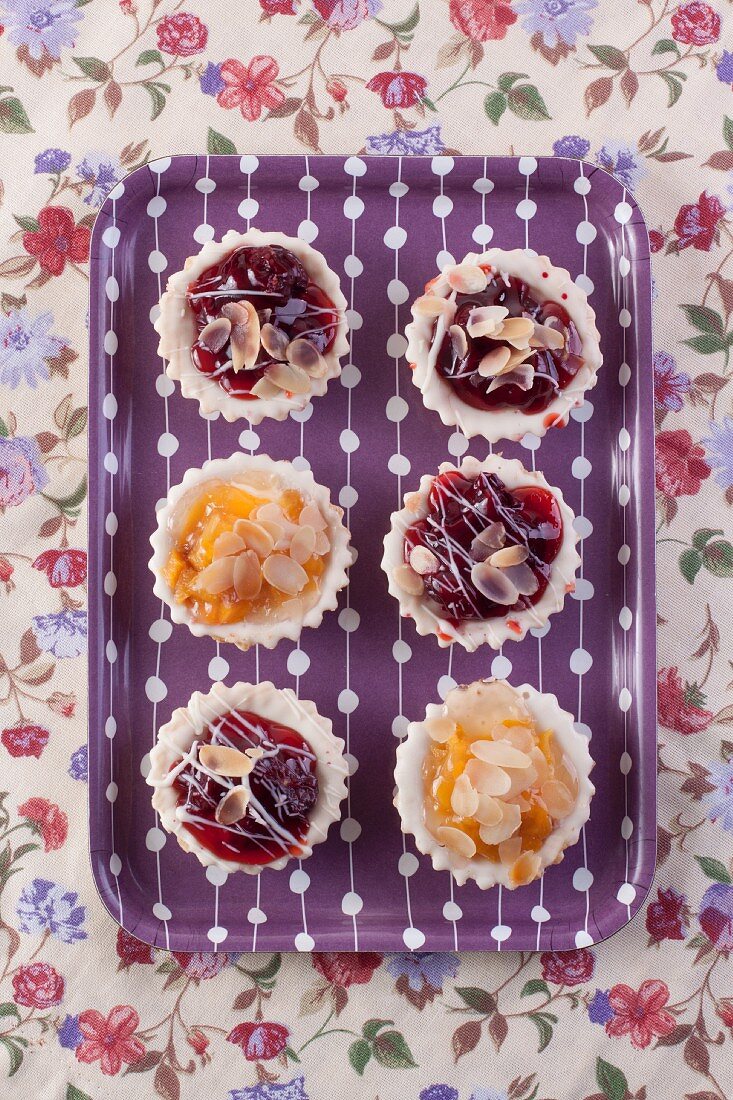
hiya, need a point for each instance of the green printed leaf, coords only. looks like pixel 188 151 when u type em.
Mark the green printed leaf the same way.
pixel 72 1092
pixel 543 1022
pixel 714 869
pixel 611 1081
pixel 76 423
pixel 702 537
pixel 217 143
pixel 507 80
pixel 707 320
pixel 25 222
pixel 359 1054
pixel 674 83
pixel 609 56
pixel 267 972
pixel 527 103
pixel 9 1009
pixel 93 68
pixel 148 57
pixel 495 105
pixel 707 344
pixel 13 119
pixel 728 131
pixel 392 1052
pixel 4 432
pixel 480 1000
pixel 690 564
pixel 70 505
pixel 717 557
pixel 157 99
pixel 15 1053
pixel 405 28
pixel 666 45
pixel 372 1027
pixel 535 985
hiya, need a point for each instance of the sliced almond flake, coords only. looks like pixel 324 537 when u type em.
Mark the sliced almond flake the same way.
pixel 274 341
pixel 487 778
pixel 517 357
pixel 266 390
pixel 311 516
pixel 545 336
pixel 510 850
pixel 255 752
pixel 431 305
pixel 288 377
pixel 522 577
pixel 323 543
pixel 526 869
pixel 284 574
pixel 458 841
pixel 466 278
pixel 540 764
pixel 276 531
pixel 509 555
pixel 511 819
pixel 216 578
pixel 247 576
pixel 302 544
pixel 459 341
pixel 225 760
pixel 233 806
pixel 245 334
pixel 304 354
pixel 557 799
pixel 490 810
pixel 517 736
pixel 491 538
pixel 501 753
pixel 215 335
pixel 494 584
pixel 227 543
pixel 522 780
pixel 464 797
pixel 440 728
pixel 521 376
pixel 423 560
pixel 255 537
pixel 494 362
pixel 517 331
pixel 523 803
pixel 270 511
pixel 408 580
pixel 485 320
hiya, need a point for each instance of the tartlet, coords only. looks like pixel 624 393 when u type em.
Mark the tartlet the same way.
pixel 253 326
pixel 248 550
pixel 481 553
pixel 494 783
pixel 503 344
pixel 248 777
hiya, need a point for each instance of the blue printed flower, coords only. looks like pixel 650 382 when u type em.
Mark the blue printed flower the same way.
pixel 52 161
pixel 556 20
pixel 420 969
pixel 69 1034
pixel 724 68
pixel 405 143
pixel 571 146
pixel 623 161
pixel 719 451
pixel 670 385
pixel 211 80
pixel 25 345
pixel 599 1007
pixel 64 633
pixel 79 764
pixel 439 1092
pixel 266 1090
pixel 102 172
pixel 720 801
pixel 485 1093
pixel 44 906
pixel 41 25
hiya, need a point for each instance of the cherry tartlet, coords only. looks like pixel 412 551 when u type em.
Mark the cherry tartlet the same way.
pixel 249 550
pixel 503 344
pixel 247 777
pixel 254 326
pixel 481 553
pixel 494 783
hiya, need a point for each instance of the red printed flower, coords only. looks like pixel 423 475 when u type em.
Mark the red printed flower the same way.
pixel 696 24
pixel 656 240
pixel 110 1039
pixel 568 967
pixel 279 7
pixel 345 968
pixel 680 706
pixel 666 916
pixel 696 223
pixel 680 464
pixel 336 89
pixel 725 1011
pixel 344 15
pixel 61 703
pixel 64 568
pixel 482 20
pixel 182 35
pixel 127 7
pixel 57 240
pixel 25 739
pixel 6 570
pixel 132 950
pixel 197 1040
pixel 201 964
pixel 50 820
pixel 640 1013
pixel 259 1042
pixel 250 87
pixel 38 986
pixel 398 89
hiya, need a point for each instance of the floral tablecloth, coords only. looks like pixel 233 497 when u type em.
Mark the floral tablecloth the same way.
pixel 90 89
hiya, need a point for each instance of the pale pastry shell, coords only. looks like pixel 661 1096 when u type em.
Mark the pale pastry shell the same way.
pixel 409 797
pixel 473 633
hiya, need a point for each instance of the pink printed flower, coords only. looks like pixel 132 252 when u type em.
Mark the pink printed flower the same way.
pixel 110 1039
pixel 259 1041
pixel 696 24
pixel 680 464
pixel 696 223
pixel 482 20
pixel 132 950
pixel 344 15
pixel 38 986
pixel 568 967
pixel 398 89
pixel 61 703
pixel 201 965
pixel 345 968
pixel 279 7
pixel 64 568
pixel 640 1013
pixel 49 819
pixel 57 240
pixel 182 35
pixel 197 1040
pixel 6 570
pixel 680 705
pixel 666 916
pixel 656 240
pixel 250 87
pixel 25 739
pixel 336 89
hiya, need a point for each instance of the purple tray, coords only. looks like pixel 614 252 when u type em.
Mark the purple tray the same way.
pixel 381 222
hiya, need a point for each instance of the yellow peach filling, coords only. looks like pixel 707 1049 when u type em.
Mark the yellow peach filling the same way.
pixel 237 554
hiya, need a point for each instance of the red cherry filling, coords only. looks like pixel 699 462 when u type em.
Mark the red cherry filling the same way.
pixel 554 370
pixel 460 510
pixel 283 785
pixel 274 280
